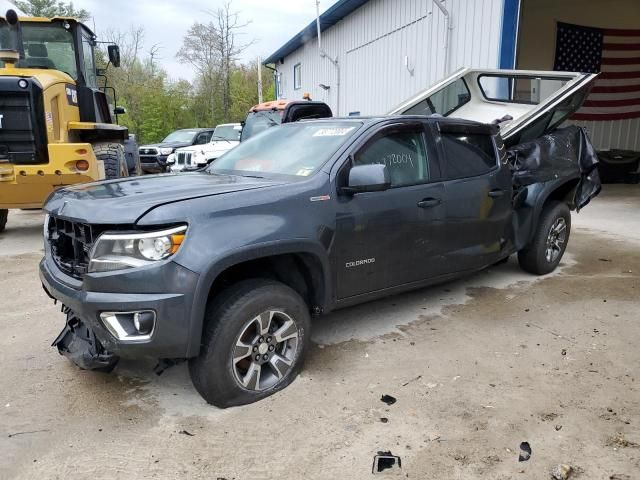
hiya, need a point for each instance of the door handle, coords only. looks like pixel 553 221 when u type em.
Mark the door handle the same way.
pixel 429 202
pixel 496 193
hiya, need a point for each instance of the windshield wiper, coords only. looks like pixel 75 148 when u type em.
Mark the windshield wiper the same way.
pixel 235 173
pixel 271 120
pixel 248 176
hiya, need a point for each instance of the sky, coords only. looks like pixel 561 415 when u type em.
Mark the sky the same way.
pixel 273 23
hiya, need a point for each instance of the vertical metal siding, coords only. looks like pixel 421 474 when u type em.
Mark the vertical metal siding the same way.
pixel 618 134
pixel 372 42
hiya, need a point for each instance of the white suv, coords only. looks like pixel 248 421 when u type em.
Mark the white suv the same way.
pixel 224 138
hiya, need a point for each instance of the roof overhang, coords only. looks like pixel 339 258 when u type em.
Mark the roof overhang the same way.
pixel 333 15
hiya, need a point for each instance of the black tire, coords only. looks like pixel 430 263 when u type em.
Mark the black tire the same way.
pixel 535 258
pixel 115 162
pixel 215 374
pixel 132 155
pixel 4 213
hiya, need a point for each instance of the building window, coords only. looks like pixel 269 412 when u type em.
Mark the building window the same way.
pixel 297 81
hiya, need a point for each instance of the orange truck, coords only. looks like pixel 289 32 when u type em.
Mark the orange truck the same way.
pixel 269 114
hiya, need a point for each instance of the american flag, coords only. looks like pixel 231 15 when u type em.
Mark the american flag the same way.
pixel 614 52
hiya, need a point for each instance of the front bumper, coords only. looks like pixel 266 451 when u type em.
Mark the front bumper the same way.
pixel 153 163
pixel 172 332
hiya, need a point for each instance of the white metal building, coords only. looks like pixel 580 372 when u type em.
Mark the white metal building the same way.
pixel 380 52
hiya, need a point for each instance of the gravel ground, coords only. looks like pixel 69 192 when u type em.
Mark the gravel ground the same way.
pixel 477 366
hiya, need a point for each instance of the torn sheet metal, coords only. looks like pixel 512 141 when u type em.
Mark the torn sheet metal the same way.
pixel 79 344
pixel 567 152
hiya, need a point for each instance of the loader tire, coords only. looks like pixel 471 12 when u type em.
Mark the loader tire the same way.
pixel 112 155
pixel 3 219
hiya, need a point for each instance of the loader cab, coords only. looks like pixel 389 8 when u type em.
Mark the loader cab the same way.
pixel 64 45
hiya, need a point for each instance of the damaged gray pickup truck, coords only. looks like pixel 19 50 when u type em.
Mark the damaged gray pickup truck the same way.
pixel 224 267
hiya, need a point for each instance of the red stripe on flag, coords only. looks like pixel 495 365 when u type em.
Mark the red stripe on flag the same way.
pixel 621 61
pixel 613 75
pixel 621 33
pixel 615 89
pixel 621 46
pixel 604 116
pixel 611 103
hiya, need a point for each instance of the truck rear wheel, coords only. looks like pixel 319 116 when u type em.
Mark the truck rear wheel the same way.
pixel 115 162
pixel 255 337
pixel 549 241
pixel 3 219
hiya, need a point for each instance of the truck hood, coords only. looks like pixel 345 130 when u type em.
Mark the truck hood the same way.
pixel 165 145
pixel 125 201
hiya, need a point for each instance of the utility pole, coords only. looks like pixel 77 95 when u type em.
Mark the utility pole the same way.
pixel 259 79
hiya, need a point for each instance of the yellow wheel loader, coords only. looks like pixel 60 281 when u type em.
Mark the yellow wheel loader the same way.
pixel 57 127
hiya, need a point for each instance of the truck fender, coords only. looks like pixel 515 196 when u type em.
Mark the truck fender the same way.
pixel 244 254
pixel 527 215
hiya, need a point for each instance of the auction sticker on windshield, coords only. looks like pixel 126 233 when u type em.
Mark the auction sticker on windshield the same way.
pixel 333 132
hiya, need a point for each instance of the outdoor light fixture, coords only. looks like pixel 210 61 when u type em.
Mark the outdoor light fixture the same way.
pixel 324 87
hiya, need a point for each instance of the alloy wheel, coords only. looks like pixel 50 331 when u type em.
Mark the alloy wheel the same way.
pixel 265 350
pixel 556 239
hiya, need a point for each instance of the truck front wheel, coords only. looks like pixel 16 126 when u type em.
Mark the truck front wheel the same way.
pixel 549 241
pixel 115 161
pixel 254 341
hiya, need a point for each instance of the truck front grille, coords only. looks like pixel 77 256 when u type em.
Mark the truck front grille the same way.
pixel 183 158
pixel 148 151
pixel 23 129
pixel 71 244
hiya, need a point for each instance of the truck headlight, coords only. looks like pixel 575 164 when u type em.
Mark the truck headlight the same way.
pixel 166 151
pixel 171 158
pixel 119 251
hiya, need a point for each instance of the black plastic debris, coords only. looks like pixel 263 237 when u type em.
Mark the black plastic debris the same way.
pixel 388 399
pixel 79 344
pixel 385 461
pixel 412 380
pixel 525 452
pixel 185 432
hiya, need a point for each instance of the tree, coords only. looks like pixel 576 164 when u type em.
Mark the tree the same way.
pixel 199 49
pixel 213 49
pixel 228 28
pixel 50 9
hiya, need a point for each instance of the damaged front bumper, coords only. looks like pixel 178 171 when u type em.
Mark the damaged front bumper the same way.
pixel 84 307
pixel 79 344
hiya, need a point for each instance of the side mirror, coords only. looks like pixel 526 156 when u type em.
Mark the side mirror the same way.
pixel 119 110
pixel 368 178
pixel 114 55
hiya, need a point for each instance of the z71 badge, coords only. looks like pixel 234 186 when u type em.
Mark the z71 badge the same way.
pixel 72 95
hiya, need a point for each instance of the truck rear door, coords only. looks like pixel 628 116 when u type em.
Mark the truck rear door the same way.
pixel 477 197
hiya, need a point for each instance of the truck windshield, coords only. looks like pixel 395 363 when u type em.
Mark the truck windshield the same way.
pixel 292 149
pixel 180 136
pixel 227 132
pixel 46 45
pixel 257 122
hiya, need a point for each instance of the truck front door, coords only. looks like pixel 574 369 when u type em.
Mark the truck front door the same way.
pixel 393 237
